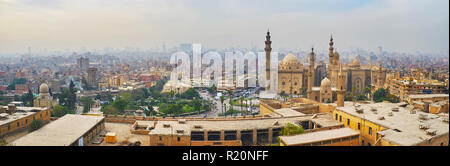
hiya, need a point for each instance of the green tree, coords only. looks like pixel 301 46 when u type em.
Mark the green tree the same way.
pixel 379 95
pixel 98 97
pixel 120 105
pixel 291 129
pixel 190 94
pixel 126 96
pixel 392 98
pixel 87 102
pixel 72 97
pixel 35 124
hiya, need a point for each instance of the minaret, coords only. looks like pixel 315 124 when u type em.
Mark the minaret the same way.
pixel 380 77
pixel 341 88
pixel 330 54
pixel 331 59
pixel 311 74
pixel 268 49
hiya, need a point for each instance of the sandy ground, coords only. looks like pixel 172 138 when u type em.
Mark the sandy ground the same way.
pixel 123 135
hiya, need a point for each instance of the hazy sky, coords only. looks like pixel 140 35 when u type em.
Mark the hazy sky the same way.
pixel 397 25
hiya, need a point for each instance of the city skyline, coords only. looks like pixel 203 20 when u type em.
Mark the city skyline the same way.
pixel 401 26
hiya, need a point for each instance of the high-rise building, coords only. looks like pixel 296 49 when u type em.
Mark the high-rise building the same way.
pixel 92 77
pixel 83 64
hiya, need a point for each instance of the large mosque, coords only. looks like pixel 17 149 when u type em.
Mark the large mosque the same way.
pixel 321 80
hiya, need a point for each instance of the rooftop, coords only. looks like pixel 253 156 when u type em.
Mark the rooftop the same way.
pixel 420 96
pixel 287 112
pixel 403 125
pixel 324 120
pixel 20 112
pixel 62 132
pixel 318 136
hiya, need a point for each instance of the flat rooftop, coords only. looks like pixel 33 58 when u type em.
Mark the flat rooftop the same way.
pixel 324 120
pixel 62 132
pixel 420 96
pixel 318 136
pixel 403 126
pixel 20 112
pixel 287 112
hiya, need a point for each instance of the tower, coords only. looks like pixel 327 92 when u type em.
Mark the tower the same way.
pixel 380 77
pixel 92 77
pixel 341 88
pixel 268 49
pixel 311 74
pixel 331 59
pixel 330 53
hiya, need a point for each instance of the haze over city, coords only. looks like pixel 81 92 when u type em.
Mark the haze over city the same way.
pixel 396 25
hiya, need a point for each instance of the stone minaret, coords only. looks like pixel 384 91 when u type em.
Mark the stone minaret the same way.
pixel 341 88
pixel 268 49
pixel 380 77
pixel 330 53
pixel 330 58
pixel 311 74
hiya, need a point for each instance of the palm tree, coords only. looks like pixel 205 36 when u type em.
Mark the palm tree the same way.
pixel 221 102
pixel 242 101
pixel 290 91
pixel 246 107
pixel 231 99
pixel 251 107
pixel 300 92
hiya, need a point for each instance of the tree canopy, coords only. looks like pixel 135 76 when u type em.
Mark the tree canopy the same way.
pixel 291 129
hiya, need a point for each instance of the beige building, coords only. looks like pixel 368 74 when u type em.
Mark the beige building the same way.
pixel 406 86
pixel 391 124
pixel 69 130
pixel 13 118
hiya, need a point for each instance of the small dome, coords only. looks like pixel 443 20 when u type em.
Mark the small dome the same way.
pixel 325 82
pixel 356 62
pixel 43 88
pixel 336 55
pixel 290 58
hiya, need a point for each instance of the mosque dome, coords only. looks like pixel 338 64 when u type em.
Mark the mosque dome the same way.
pixel 43 88
pixel 290 58
pixel 290 62
pixel 356 62
pixel 325 82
